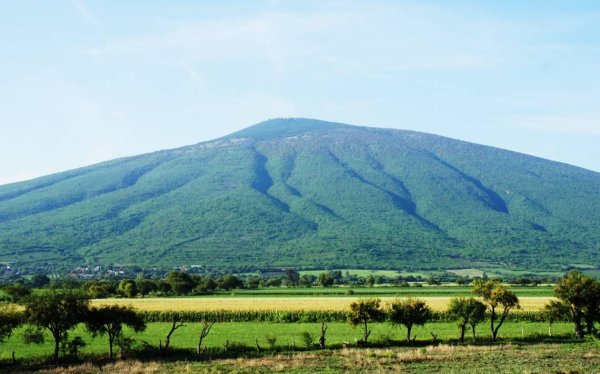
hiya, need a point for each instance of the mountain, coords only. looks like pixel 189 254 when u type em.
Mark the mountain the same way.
pixel 301 192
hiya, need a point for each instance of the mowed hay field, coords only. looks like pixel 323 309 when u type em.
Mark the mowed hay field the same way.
pixel 437 303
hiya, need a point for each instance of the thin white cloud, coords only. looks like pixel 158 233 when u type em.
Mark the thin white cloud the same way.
pixel 83 10
pixel 271 37
pixel 191 71
pixel 389 39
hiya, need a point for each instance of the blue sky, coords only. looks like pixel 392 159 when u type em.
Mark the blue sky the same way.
pixel 84 81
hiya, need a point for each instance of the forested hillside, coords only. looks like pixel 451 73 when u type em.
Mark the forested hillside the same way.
pixel 299 192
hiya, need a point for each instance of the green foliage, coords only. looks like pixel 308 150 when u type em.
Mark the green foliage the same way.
pixel 34 335
pixel 39 280
pixel 128 288
pixel 296 192
pixel 17 292
pixel 146 286
pixel 409 312
pixel 58 312
pixel 364 311
pixel 71 348
pixel 230 282
pixel 271 340
pixel 110 320
pixel 578 301
pixel 497 298
pixel 180 282
pixel 466 311
pixel 10 319
pixel 308 339
pixel 325 280
pixel 99 289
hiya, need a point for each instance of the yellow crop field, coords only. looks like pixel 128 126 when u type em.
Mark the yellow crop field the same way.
pixel 280 303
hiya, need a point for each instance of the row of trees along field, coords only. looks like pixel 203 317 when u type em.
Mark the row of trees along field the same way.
pixel 182 283
pixel 58 312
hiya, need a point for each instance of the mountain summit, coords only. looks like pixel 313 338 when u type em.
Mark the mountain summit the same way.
pixel 285 127
pixel 301 192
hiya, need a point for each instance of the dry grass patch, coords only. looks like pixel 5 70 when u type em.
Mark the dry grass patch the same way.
pixel 118 367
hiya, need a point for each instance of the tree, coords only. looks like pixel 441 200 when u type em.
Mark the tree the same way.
pixel 365 311
pixel 109 320
pixel 409 312
pixel 230 282
pixel 181 283
pixel 204 330
pixel 325 280
pixel 252 283
pixel 128 288
pixel 578 301
pixel 292 276
pixel 100 289
pixel 322 337
pixel 206 285
pixel 466 312
pixel 496 298
pixel 145 286
pixel 163 287
pixel 39 280
pixel 176 323
pixel 307 280
pixel 17 292
pixel 58 312
pixel 557 310
pixel 10 319
pixel 370 281
pixel 432 281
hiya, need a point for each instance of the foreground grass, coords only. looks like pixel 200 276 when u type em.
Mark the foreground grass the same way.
pixel 502 358
pixel 582 358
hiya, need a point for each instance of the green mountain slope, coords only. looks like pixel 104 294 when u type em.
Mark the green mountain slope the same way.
pixel 299 192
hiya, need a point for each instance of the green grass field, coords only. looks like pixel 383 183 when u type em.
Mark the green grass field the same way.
pixel 286 334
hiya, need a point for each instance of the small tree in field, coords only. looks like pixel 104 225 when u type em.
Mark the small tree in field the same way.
pixel 556 311
pixel 110 319
pixel 365 311
pixel 205 329
pixel 578 301
pixel 466 312
pixel 409 312
pixel 58 312
pixel 322 337
pixel 497 299
pixel 175 324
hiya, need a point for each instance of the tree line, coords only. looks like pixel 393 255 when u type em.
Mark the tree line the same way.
pixel 183 283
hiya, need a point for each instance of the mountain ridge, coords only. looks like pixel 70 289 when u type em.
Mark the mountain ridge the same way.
pixel 301 192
